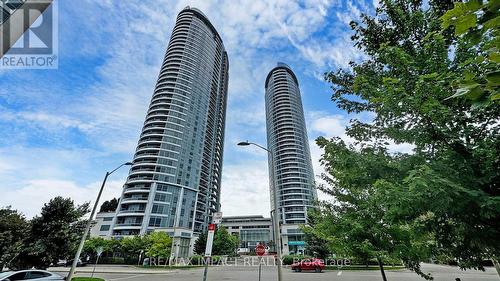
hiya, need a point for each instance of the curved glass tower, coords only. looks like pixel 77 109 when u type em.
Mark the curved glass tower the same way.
pixel 292 173
pixel 174 183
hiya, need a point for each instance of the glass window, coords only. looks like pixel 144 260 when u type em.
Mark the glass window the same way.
pixel 108 219
pixel 17 276
pixel 36 275
pixel 104 227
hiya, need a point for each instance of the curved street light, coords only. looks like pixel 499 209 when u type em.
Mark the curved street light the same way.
pixel 89 222
pixel 275 205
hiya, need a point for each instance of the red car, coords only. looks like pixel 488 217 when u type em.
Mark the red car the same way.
pixel 309 264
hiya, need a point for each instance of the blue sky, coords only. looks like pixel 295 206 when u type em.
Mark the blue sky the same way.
pixel 62 129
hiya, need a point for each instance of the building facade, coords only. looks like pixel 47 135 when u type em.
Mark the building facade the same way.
pixel 175 180
pixel 102 224
pixel 292 174
pixel 251 230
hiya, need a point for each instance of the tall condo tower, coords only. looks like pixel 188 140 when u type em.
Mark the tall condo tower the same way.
pixel 175 181
pixel 292 173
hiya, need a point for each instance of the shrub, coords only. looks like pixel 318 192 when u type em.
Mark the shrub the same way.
pixel 197 260
pixel 289 259
pixel 216 259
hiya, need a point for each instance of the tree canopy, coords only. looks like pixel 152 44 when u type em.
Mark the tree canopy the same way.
pixel 223 244
pixel 159 244
pixel 476 26
pixel 443 198
pixel 13 227
pixel 52 235
pixel 109 206
pixel 316 246
pixel 201 244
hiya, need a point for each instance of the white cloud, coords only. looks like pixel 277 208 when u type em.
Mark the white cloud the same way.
pixel 35 193
pixel 5 166
pixel 32 176
pixel 245 189
pixel 30 163
pixel 333 125
pixel 52 122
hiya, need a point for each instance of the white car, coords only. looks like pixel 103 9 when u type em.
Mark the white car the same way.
pixel 243 251
pixel 30 274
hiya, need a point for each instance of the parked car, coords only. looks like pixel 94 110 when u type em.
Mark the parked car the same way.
pixel 70 263
pixel 309 264
pixel 243 251
pixel 35 274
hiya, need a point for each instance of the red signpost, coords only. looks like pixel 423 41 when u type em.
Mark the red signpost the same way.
pixel 260 250
pixel 208 248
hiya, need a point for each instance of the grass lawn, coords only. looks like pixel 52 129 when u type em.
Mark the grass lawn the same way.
pixel 86 279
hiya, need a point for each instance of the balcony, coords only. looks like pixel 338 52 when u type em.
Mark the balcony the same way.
pixel 124 213
pixel 135 200
pixel 127 225
pixel 136 190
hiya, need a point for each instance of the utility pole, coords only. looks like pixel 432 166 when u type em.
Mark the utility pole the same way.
pixel 89 223
pixel 276 217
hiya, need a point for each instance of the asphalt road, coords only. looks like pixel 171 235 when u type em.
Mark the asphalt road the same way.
pixel 440 273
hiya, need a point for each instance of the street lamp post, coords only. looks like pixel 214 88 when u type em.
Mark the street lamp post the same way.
pixel 89 223
pixel 276 217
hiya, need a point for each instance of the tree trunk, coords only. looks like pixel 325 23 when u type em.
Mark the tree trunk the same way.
pixel 381 265
pixel 497 266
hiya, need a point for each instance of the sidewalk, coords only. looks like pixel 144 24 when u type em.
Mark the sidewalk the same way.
pixel 109 268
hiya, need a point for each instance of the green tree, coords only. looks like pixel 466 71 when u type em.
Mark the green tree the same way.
pixel 158 244
pixel 200 244
pixel 52 235
pixel 13 227
pixel 132 247
pixel 359 225
pixel 476 26
pixel 109 206
pixel 316 246
pixel 442 197
pixel 93 244
pixel 224 243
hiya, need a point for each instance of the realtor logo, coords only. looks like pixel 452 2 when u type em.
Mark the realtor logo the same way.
pixel 30 29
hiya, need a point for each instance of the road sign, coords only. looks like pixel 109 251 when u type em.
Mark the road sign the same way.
pixel 99 251
pixel 210 240
pixel 218 217
pixel 260 250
